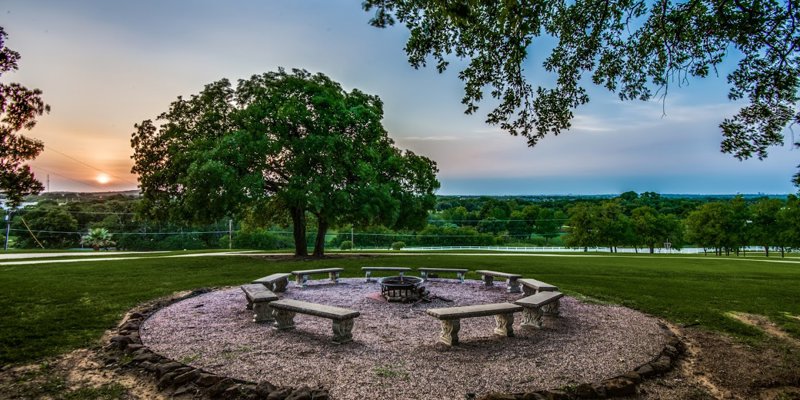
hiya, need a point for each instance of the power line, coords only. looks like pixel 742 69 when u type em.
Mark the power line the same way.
pixel 68 178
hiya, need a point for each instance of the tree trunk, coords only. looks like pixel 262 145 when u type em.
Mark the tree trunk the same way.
pixel 652 248
pixel 766 251
pixel 782 252
pixel 319 243
pixel 299 222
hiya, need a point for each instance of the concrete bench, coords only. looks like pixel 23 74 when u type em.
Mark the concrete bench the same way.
pixel 423 272
pixel 285 310
pixel 512 280
pixel 532 286
pixel 451 319
pixel 275 282
pixel 258 299
pixel 368 270
pixel 538 304
pixel 301 277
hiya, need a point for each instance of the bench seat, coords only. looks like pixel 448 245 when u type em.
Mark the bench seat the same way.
pixel 285 310
pixel 258 299
pixel 275 282
pixel 301 277
pixel 460 272
pixel 368 271
pixel 532 286
pixel 512 280
pixel 450 318
pixel 542 303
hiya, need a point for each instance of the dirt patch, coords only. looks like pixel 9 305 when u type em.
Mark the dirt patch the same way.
pixel 763 323
pixel 81 374
pixel 716 366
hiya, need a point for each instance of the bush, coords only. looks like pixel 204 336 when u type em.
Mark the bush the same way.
pixel 398 245
pixel 346 245
pixel 260 239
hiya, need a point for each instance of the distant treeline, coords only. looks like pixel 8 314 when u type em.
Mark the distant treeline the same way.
pixel 722 224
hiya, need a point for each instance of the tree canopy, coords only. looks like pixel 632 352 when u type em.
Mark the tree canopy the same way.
pixel 19 107
pixel 634 48
pixel 276 144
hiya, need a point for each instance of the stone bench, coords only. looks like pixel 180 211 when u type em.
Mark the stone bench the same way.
pixel 538 304
pixel 423 272
pixel 451 319
pixel 368 270
pixel 532 286
pixel 512 280
pixel 285 310
pixel 302 276
pixel 275 282
pixel 258 299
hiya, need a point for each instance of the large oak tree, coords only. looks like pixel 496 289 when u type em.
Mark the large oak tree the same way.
pixel 19 107
pixel 281 143
pixel 635 48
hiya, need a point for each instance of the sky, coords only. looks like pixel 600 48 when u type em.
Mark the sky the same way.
pixel 104 66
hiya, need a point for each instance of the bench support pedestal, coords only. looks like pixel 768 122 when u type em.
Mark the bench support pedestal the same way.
pixel 334 276
pixel 505 325
pixel 262 312
pixel 528 291
pixel 342 331
pixel 450 328
pixel 284 319
pixel 280 285
pixel 532 316
pixel 488 280
pixel 552 309
pixel 513 285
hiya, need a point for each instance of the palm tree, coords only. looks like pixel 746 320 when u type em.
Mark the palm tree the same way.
pixel 97 238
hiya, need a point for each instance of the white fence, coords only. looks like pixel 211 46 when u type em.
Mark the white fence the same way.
pixel 686 250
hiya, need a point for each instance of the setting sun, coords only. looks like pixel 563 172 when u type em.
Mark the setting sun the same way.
pixel 103 179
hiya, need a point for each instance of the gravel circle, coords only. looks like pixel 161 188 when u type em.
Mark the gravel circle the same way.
pixel 395 351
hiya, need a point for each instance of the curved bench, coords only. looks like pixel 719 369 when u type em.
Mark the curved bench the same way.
pixel 512 280
pixel 451 319
pixel 423 272
pixel 368 271
pixel 275 282
pixel 258 299
pixel 532 286
pixel 301 277
pixel 285 310
pixel 535 306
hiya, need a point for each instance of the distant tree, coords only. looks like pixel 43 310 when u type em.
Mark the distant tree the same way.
pixel 281 143
pixel 583 226
pixel 53 226
pixel 653 228
pixel 789 220
pixel 765 228
pixel 719 225
pixel 549 222
pixel 19 107
pixel 636 49
pixel 612 226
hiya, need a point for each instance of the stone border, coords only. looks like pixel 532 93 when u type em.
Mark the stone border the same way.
pixel 176 379
pixel 619 386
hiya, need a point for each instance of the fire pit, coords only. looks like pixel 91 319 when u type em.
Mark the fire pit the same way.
pixel 403 288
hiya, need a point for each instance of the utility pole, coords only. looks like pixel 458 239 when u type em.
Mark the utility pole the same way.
pixel 8 227
pixel 48 183
pixel 230 234
pixel 352 241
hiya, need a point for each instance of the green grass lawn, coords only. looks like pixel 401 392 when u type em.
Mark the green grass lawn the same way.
pixel 48 309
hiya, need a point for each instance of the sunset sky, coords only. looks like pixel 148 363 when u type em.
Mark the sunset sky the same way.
pixel 105 65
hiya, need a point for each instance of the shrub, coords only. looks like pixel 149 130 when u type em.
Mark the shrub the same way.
pixel 398 245
pixel 346 245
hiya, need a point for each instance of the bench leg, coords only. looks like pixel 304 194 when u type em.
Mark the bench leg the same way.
pixel 460 277
pixel 423 275
pixel 488 280
pixel 553 309
pixel 280 285
pixel 334 276
pixel 513 285
pixel 528 291
pixel 284 319
pixel 369 274
pixel 249 305
pixel 532 316
pixel 262 312
pixel 505 324
pixel 343 331
pixel 450 328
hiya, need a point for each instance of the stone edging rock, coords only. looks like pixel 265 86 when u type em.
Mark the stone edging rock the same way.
pixel 176 379
pixel 618 386
pixel 179 380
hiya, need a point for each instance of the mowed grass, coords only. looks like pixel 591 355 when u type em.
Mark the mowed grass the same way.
pixel 48 309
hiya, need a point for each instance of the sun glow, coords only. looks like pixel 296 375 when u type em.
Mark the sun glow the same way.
pixel 102 179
